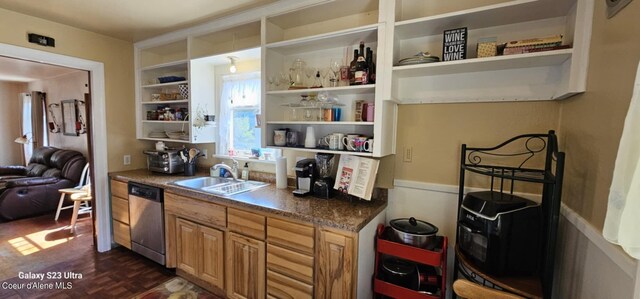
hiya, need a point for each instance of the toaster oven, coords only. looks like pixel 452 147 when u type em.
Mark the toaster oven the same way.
pixel 168 161
pixel 500 232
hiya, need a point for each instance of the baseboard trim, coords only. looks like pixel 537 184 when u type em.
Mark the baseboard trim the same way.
pixel 614 252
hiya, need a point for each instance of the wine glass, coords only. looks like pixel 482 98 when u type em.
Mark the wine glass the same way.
pixel 310 72
pixel 324 72
pixel 272 80
pixel 334 65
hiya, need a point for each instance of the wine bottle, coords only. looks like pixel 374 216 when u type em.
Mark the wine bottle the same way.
pixel 372 66
pixel 352 67
pixel 362 70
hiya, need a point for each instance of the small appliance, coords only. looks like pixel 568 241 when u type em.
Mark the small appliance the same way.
pixel 323 186
pixel 167 161
pixel 306 174
pixel 500 232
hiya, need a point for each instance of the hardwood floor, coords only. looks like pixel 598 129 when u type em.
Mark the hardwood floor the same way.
pixel 42 246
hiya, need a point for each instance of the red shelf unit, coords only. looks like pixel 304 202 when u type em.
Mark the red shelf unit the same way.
pixel 437 258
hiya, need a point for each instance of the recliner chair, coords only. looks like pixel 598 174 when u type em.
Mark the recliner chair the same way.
pixel 33 190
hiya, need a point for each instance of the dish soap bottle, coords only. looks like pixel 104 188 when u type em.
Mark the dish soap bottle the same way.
pixel 245 171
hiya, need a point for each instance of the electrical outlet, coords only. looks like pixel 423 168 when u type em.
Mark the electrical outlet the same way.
pixel 408 154
pixel 127 159
pixel 204 152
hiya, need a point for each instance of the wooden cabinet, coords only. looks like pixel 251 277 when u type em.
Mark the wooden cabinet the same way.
pixel 246 267
pixel 200 251
pixel 336 262
pixel 187 250
pixel 120 213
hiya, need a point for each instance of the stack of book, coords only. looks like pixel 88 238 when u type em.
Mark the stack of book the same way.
pixel 534 45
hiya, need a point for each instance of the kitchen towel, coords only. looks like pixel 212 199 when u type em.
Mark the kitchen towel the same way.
pixel 281 173
pixel 622 222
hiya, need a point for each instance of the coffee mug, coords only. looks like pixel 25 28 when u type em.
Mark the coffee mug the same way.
pixel 368 145
pixel 349 142
pixel 280 137
pixel 292 138
pixel 335 142
pixel 340 136
pixel 359 142
pixel 324 141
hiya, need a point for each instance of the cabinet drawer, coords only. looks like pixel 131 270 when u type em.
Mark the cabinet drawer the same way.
pixel 120 209
pixel 291 235
pixel 246 223
pixel 121 234
pixel 119 189
pixel 280 286
pixel 291 263
pixel 201 211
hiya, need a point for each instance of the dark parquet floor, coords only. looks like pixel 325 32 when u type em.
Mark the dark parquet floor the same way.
pixel 43 246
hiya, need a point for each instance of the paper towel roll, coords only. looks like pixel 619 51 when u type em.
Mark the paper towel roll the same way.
pixel 281 173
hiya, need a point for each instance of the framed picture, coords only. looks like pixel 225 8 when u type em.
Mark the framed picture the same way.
pixel 69 117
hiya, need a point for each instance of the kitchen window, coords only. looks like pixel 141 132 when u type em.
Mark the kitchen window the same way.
pixel 239 107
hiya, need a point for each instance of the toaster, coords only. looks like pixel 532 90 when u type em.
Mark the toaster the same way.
pixel 168 161
pixel 500 232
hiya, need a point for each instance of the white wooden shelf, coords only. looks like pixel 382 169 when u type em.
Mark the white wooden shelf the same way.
pixel 319 150
pixel 179 65
pixel 179 122
pixel 160 85
pixel 166 102
pixel 368 34
pixel 343 123
pixel 340 90
pixel 166 140
pixel 483 17
pixel 516 61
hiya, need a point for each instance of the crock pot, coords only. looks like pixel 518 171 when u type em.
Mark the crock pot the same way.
pixel 411 231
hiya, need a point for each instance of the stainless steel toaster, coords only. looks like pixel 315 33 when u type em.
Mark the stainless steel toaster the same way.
pixel 168 161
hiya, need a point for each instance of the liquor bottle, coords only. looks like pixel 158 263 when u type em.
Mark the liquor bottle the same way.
pixel 372 66
pixel 352 67
pixel 362 69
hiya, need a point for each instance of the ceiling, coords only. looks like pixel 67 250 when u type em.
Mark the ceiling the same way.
pixel 17 70
pixel 130 20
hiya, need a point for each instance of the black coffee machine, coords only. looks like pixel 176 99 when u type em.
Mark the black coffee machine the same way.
pixel 306 174
pixel 323 186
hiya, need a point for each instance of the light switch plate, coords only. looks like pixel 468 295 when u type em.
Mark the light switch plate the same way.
pixel 614 6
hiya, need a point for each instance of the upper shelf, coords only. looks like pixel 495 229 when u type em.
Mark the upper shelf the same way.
pixel 341 90
pixel 487 16
pixel 165 84
pixel 175 66
pixel 516 61
pixel 342 38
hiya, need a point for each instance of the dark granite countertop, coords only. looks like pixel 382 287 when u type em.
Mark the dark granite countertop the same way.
pixel 337 213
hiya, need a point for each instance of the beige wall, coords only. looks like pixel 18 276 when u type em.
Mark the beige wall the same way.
pixel 10 122
pixel 117 56
pixel 591 123
pixel 66 87
pixel 435 133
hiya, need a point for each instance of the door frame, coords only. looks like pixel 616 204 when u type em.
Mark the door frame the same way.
pixel 98 131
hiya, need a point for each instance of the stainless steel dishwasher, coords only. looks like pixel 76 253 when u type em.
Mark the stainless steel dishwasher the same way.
pixel 146 210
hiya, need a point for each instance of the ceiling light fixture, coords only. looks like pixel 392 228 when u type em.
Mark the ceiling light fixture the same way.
pixel 232 67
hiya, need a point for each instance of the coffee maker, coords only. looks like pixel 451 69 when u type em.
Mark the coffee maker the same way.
pixel 306 174
pixel 323 186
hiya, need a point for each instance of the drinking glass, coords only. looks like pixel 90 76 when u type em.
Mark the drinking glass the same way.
pixel 334 66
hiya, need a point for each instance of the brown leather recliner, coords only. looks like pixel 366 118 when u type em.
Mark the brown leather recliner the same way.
pixel 33 190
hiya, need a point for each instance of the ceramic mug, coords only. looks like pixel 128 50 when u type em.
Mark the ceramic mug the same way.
pixel 335 142
pixel 368 145
pixel 349 142
pixel 324 141
pixel 340 136
pixel 280 137
pixel 359 142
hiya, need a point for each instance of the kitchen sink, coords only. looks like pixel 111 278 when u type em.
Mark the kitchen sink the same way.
pixel 220 186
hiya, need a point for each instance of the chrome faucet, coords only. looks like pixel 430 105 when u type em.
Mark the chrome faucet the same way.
pixel 233 169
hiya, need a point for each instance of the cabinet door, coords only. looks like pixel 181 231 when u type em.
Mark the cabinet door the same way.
pixel 246 267
pixel 187 243
pixel 211 256
pixel 335 266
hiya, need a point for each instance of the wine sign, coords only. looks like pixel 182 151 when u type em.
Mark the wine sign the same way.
pixel 454 46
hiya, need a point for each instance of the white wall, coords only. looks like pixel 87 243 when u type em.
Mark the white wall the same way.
pixel 587 265
pixel 10 120
pixel 66 87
